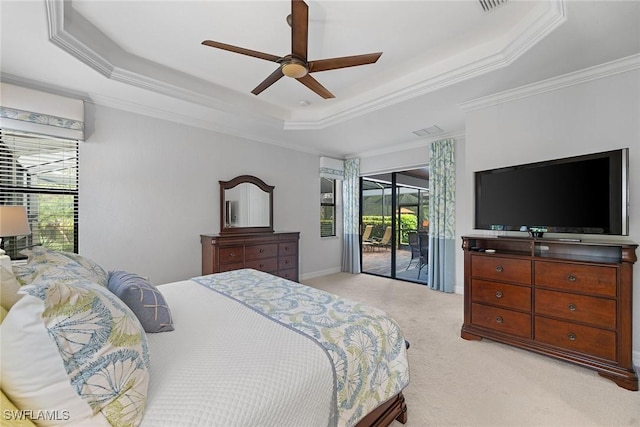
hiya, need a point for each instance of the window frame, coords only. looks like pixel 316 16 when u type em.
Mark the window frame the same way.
pixel 18 186
pixel 324 204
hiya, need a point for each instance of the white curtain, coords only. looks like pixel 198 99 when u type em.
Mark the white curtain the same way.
pixel 442 218
pixel 350 214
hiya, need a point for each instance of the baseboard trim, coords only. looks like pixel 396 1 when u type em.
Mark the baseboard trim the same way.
pixel 315 274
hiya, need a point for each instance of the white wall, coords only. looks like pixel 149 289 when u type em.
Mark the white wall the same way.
pixel 149 188
pixel 394 161
pixel 590 117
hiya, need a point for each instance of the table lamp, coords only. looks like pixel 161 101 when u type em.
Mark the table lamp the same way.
pixel 13 222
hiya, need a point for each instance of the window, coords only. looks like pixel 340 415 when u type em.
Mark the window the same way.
pixel 41 173
pixel 327 207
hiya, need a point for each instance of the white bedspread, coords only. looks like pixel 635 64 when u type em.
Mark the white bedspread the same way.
pixel 226 365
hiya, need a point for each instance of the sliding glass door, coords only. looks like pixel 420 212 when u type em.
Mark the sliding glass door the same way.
pixel 394 225
pixel 376 225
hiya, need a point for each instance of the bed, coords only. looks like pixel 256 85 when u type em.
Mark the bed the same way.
pixel 237 348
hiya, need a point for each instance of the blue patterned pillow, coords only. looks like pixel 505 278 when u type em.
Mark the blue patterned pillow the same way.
pixel 101 276
pixel 144 299
pixel 102 345
pixel 41 258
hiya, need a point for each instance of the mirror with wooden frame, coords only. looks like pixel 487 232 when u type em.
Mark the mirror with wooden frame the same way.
pixel 246 205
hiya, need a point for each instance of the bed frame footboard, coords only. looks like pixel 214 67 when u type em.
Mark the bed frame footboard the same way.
pixel 393 409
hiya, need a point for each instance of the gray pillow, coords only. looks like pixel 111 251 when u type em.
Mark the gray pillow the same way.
pixel 144 299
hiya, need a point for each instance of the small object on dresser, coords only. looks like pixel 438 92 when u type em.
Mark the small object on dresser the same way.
pixel 490 251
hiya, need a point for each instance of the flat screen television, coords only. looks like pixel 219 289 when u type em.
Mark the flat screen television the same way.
pixel 585 194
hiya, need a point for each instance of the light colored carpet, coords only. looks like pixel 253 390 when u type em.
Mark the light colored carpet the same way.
pixel 455 382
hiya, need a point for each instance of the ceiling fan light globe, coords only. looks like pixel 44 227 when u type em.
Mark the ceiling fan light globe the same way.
pixel 294 70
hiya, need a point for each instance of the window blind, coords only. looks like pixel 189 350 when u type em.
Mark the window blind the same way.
pixel 41 173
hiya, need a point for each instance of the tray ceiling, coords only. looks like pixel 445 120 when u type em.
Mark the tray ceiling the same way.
pixel 436 54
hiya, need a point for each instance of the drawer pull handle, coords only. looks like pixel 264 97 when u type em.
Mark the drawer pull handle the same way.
pixel 261 251
pixel 498 294
pixel 571 336
pixel 261 265
pixel 572 278
pixel 232 254
pixel 286 248
pixel 499 269
pixel 572 307
pixel 499 319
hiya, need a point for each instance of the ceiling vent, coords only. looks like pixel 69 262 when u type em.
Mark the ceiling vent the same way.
pixel 430 131
pixel 489 5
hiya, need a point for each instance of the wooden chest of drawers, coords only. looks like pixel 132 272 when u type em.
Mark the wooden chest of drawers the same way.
pixel 275 253
pixel 569 300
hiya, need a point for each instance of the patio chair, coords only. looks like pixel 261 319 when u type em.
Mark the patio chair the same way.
pixel 419 249
pixel 385 242
pixel 366 236
pixel 414 244
pixel 367 241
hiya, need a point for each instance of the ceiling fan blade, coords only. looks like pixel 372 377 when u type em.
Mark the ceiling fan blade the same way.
pixel 243 51
pixel 343 62
pixel 299 28
pixel 315 86
pixel 274 77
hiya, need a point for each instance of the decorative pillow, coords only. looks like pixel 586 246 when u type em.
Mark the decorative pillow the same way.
pixel 90 265
pixel 40 258
pixel 11 414
pixel 32 374
pixel 9 288
pixel 9 411
pixel 144 299
pixel 24 273
pixel 92 355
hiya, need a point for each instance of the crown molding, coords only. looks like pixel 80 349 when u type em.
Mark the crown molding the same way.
pixel 77 36
pixel 73 33
pixel 67 42
pixel 555 83
pixel 218 125
pixel 414 143
pixel 528 37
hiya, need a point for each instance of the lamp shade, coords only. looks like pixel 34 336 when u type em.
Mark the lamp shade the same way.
pixel 13 221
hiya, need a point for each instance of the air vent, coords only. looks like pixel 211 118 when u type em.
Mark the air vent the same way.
pixel 488 5
pixel 430 131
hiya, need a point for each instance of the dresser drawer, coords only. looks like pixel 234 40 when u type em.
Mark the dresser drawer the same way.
pixel 287 262
pixel 580 308
pixel 508 296
pixel 261 251
pixel 229 267
pixel 503 269
pixel 584 339
pixel 592 279
pixel 287 248
pixel 232 255
pixel 501 320
pixel 291 274
pixel 268 265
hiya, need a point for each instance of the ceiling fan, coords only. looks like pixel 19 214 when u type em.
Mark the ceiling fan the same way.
pixel 296 65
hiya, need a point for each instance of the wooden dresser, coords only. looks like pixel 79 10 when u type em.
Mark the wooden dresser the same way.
pixel 275 253
pixel 571 300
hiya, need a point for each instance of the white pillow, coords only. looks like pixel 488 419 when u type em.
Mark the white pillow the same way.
pixel 9 287
pixel 72 345
pixel 31 373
